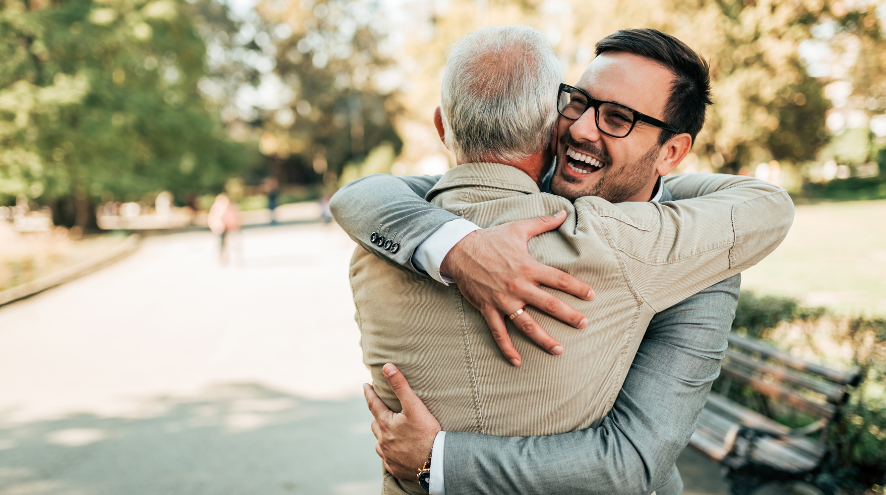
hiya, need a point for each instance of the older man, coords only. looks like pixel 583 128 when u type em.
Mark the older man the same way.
pixel 642 257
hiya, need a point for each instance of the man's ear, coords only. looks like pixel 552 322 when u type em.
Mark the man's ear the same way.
pixel 438 123
pixel 673 152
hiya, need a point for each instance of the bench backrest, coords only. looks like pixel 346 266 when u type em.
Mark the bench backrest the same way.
pixel 811 388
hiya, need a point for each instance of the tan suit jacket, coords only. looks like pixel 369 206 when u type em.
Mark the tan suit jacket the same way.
pixel 640 258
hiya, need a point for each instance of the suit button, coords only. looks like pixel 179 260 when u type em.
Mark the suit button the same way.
pixel 373 238
pixel 395 247
pixel 388 244
pixel 381 241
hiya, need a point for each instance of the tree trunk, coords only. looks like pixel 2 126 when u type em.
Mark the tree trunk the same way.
pixel 81 208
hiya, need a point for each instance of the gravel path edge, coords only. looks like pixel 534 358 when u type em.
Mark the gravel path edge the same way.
pixel 118 252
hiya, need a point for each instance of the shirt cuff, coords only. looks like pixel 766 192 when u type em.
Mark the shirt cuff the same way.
pixel 430 253
pixel 436 483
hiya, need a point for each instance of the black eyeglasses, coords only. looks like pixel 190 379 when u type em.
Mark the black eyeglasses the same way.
pixel 612 119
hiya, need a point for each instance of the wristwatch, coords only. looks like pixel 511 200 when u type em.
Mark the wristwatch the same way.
pixel 424 474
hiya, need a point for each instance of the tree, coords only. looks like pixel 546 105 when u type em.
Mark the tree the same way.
pixel 336 105
pixel 100 99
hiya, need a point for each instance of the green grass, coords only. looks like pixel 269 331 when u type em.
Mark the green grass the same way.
pixel 834 256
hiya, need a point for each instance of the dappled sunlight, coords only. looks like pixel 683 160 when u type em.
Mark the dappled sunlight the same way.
pixel 243 435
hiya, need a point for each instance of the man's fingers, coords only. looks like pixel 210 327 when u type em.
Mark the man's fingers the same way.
pixel 378 451
pixel 555 307
pixel 535 226
pixel 376 429
pixel 500 334
pixel 562 281
pixel 376 406
pixel 527 324
pixel 401 387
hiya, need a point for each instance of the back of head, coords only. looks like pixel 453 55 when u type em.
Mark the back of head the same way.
pixel 499 92
pixel 691 88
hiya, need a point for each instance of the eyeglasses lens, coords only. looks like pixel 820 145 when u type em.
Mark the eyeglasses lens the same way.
pixel 572 104
pixel 613 119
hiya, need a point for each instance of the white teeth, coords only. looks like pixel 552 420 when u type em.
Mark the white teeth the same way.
pixel 578 170
pixel 583 158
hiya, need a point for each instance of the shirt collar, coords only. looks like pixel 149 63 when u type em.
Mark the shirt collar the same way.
pixel 659 190
pixel 488 174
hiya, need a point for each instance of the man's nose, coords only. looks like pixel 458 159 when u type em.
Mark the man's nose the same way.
pixel 585 128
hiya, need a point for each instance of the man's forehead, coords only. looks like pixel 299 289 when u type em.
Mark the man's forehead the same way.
pixel 631 80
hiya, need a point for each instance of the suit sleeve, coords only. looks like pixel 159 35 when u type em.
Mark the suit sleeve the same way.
pixel 674 249
pixel 393 207
pixel 634 449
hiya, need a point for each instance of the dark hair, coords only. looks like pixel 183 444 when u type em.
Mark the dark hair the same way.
pixel 691 89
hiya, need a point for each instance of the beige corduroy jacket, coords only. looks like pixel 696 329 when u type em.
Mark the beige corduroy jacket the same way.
pixel 640 258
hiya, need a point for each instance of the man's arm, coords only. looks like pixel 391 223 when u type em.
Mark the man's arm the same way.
pixel 674 249
pixel 634 449
pixel 395 208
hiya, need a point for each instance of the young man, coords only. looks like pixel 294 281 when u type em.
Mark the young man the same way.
pixel 629 120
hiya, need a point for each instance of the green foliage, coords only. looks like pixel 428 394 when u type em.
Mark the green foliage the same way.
pixel 859 440
pixel 333 64
pixel 755 316
pixel 378 161
pixel 852 146
pixel 852 188
pixel 101 98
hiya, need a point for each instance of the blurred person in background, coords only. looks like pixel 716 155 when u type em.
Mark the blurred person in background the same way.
pixel 224 220
pixel 498 106
pixel 272 191
pixel 325 212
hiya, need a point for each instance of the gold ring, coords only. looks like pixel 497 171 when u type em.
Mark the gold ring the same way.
pixel 516 313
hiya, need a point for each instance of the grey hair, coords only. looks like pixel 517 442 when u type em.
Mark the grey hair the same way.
pixel 499 94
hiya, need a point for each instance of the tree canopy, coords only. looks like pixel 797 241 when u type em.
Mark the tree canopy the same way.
pixel 99 98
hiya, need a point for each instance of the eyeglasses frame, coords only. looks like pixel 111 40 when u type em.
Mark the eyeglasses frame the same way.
pixel 595 104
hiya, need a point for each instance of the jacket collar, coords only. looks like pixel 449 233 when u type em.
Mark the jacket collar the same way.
pixel 506 177
pixel 497 175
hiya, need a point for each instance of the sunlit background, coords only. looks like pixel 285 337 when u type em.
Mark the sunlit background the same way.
pixel 176 367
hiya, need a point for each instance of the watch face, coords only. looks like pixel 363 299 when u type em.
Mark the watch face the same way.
pixel 424 479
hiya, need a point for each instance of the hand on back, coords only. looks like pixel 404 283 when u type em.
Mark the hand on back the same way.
pixel 495 273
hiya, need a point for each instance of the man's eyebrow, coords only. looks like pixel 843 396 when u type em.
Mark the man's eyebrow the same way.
pixel 604 99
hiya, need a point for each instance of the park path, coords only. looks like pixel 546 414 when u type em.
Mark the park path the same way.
pixel 169 374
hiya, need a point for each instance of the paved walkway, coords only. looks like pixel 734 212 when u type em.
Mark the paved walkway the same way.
pixel 169 374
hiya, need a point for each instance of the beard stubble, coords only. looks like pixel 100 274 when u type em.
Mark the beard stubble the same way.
pixel 625 183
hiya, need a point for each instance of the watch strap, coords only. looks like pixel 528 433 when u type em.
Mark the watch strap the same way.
pixel 424 474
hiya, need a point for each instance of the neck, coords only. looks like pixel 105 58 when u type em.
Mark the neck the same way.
pixel 532 165
pixel 645 195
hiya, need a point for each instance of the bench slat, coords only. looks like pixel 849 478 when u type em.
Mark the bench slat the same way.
pixel 709 437
pixel 754 419
pixel 836 394
pixel 790 454
pixel 708 445
pixel 778 392
pixel 851 377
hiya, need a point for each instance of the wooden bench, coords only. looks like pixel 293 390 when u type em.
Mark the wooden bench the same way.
pixel 753 447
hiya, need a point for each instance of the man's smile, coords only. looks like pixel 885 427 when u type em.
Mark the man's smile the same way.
pixel 581 164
